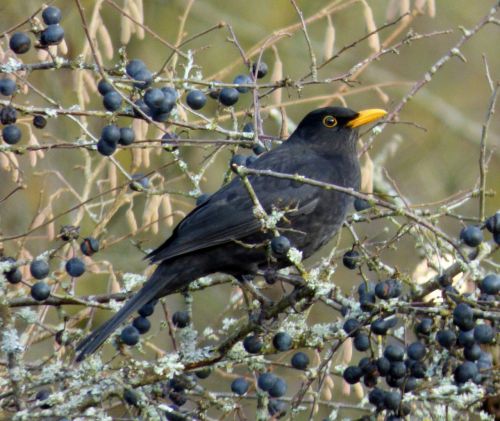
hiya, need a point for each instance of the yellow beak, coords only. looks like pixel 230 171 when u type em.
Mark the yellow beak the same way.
pixel 366 116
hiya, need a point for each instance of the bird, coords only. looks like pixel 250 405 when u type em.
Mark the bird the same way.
pixel 225 235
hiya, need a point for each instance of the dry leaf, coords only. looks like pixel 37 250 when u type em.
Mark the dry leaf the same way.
pixel 125 25
pixel 166 210
pixel 131 221
pixel 367 174
pixel 276 76
pixel 113 178
pixel 329 43
pixel 63 47
pixel 347 351
pixel 431 8
pixel 382 95
pixel 105 38
pixel 373 40
pixel 392 10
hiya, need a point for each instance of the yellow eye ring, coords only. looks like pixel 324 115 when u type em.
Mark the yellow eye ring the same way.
pixel 329 121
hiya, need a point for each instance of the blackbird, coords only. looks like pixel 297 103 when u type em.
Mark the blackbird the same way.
pixel 223 234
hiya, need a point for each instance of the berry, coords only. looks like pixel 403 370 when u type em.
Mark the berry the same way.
pixel 300 361
pixel 394 353
pixel 351 325
pixel 177 398
pixel 75 267
pixel 280 245
pixel 202 198
pixel 43 395
pixel 130 336
pixel 252 344
pixel 351 259
pixel 181 319
pixel 154 98
pixel 417 369
pixel 266 381
pixel 367 366
pixel 240 386
pixel 89 246
pixel 110 134
pixel 380 326
pixel 127 136
pixel 248 128
pixel 104 87
pixel 52 35
pixel 484 334
pixel 11 134
pixel 229 96
pixel 14 276
pixel 493 223
pixel 383 366
pixel 361 342
pixel 144 78
pixel 51 15
pixel 130 397
pixel 141 324
pixel 416 351
pixel 203 373
pixel 7 87
pixel 261 71
pixel 361 204
pixel 20 43
pixel 112 101
pixel 134 66
pixel 465 372
pixel 8 115
pixel 139 182
pixel 473 352
pixel 471 235
pixel 392 400
pixel 147 309
pixel 398 369
pixel 466 338
pixel 366 301
pixel 276 408
pixel 39 121
pixel 376 397
pixel 258 149
pixel 237 161
pixel 352 374
pixel 463 316
pixel 141 105
pixel 40 291
pixel 242 79
pixel 105 148
pixel 424 327
pixel 278 389
pixel 383 290
pixel 282 341
pixel 490 284
pixel 196 99
pixel 39 269
pixel 214 91
pixel 446 338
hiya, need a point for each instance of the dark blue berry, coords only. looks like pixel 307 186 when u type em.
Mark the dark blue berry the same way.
pixel 203 373
pixel 144 79
pixel 39 269
pixel 252 344
pixel 112 101
pixel 300 361
pixel 51 15
pixel 352 374
pixel 258 149
pixel 11 134
pixel 351 259
pixel 383 290
pixel 417 369
pixel 127 136
pixel 181 319
pixel 43 395
pixel 472 353
pixel 131 397
pixel 471 235
pixel 20 43
pixel 106 148
pixel 466 338
pixel 282 341
pixel 463 316
pixel 351 325
pixel 392 400
pixel 278 389
pixel 237 161
pixel 13 276
pixel 398 369
pixel 154 98
pixel 261 71
pixel 240 386
pixel 446 338
pixel 75 267
pixel 424 327
pixel 147 309
pixel 266 380
pixel 40 291
pixel 248 128
pixel 493 223
pixel 276 408
pixel 142 324
pixel 376 397
pixel 110 134
pixel 134 66
pixel 52 35
pixel 465 372
pixel 416 351
pixel 160 116
pixel 490 284
pixel 380 326
pixel 104 87
pixel 242 79
pixel 280 245
pixel 228 96
pixel 383 366
pixel 140 106
pixel 89 246
pixel 394 353
pixel 196 99
pixel 361 342
pixel 39 121
pixel 130 336
pixel 484 334
pixel 361 204
pixel 8 115
pixel 7 86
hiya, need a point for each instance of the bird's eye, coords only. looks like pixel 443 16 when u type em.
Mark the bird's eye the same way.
pixel 329 121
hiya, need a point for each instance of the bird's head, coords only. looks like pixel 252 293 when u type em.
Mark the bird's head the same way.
pixel 334 128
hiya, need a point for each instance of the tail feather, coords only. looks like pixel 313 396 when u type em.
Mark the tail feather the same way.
pixel 158 282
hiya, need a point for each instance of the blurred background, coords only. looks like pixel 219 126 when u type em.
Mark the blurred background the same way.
pixel 431 154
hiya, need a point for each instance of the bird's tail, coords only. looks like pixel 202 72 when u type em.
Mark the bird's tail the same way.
pixel 159 282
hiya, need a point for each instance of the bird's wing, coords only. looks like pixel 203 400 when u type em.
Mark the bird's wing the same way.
pixel 229 213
